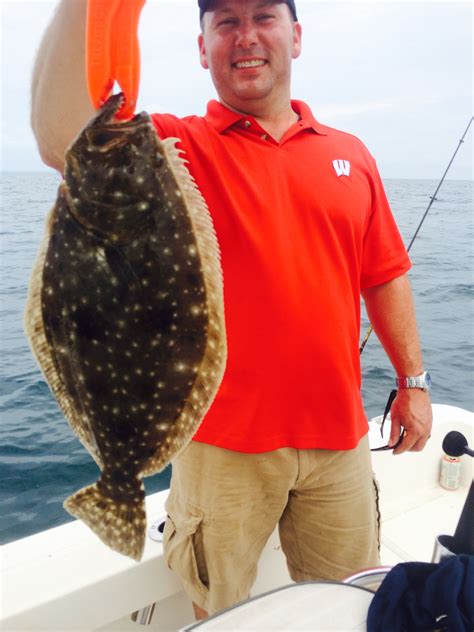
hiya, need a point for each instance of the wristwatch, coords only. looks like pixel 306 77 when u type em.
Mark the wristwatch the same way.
pixel 422 381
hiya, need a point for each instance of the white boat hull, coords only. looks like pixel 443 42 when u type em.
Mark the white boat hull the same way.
pixel 66 579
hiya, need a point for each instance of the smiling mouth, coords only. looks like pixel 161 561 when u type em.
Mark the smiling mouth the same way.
pixel 252 63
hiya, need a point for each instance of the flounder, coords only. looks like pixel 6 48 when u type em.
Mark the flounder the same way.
pixel 125 313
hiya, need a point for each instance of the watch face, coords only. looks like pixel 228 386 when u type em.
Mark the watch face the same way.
pixel 428 380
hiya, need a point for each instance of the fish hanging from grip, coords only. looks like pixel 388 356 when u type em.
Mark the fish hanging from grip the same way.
pixel 125 313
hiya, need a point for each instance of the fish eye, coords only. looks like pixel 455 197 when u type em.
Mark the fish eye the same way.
pixel 100 138
pixel 105 140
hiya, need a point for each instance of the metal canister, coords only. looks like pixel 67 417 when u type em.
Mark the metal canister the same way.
pixel 450 474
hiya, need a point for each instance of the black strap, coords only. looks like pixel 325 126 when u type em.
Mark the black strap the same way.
pixel 388 406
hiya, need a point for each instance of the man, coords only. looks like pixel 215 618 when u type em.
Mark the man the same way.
pixel 304 227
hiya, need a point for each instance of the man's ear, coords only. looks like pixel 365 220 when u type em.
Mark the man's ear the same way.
pixel 297 34
pixel 202 52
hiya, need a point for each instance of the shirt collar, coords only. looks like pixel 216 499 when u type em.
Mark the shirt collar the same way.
pixel 307 118
pixel 221 118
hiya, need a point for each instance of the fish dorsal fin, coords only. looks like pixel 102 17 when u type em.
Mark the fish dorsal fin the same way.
pixel 211 370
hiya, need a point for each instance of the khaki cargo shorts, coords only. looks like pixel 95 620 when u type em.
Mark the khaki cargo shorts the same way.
pixel 224 505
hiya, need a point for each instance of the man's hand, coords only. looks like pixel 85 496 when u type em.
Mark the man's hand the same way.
pixel 411 411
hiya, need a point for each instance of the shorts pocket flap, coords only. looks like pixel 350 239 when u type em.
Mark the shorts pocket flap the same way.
pixel 188 524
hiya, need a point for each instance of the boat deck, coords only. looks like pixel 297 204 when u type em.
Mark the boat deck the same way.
pixel 410 529
pixel 66 579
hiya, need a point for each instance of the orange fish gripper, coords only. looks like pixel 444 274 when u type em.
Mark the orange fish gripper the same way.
pixel 113 52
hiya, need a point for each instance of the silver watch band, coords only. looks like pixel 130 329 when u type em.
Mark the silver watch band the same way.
pixel 422 381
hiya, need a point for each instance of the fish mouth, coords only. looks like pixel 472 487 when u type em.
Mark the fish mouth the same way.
pixel 106 114
pixel 105 133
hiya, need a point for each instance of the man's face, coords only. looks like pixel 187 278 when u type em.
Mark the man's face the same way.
pixel 248 46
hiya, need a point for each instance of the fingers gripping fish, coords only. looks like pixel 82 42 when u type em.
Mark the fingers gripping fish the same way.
pixel 125 313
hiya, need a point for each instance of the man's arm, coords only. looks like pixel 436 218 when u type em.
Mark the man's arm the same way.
pixel 60 102
pixel 391 311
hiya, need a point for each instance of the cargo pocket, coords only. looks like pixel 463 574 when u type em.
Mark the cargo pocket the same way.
pixel 183 551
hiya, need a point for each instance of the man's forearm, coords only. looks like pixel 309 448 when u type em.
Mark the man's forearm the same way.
pixel 391 311
pixel 60 102
pixel 392 314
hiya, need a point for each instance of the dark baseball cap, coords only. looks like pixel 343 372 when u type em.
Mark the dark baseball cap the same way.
pixel 203 4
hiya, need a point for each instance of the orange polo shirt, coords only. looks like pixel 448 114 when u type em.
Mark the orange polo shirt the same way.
pixel 303 225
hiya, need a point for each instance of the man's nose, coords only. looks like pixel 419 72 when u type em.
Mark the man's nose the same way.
pixel 246 35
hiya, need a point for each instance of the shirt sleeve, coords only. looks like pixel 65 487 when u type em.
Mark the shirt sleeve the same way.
pixel 384 255
pixel 166 125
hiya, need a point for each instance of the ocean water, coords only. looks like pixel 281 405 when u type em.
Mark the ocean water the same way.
pixel 41 461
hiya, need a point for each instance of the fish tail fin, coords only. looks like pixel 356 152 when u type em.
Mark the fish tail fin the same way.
pixel 120 524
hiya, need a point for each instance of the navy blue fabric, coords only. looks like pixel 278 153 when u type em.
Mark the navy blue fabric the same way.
pixel 421 597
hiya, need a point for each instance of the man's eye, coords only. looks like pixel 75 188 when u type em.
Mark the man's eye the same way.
pixel 227 22
pixel 265 17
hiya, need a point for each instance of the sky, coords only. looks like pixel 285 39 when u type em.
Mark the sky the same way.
pixel 396 74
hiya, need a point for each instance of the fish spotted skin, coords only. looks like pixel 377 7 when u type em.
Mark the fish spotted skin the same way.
pixel 125 313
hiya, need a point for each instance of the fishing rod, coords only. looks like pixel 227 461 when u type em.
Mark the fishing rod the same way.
pixel 432 199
